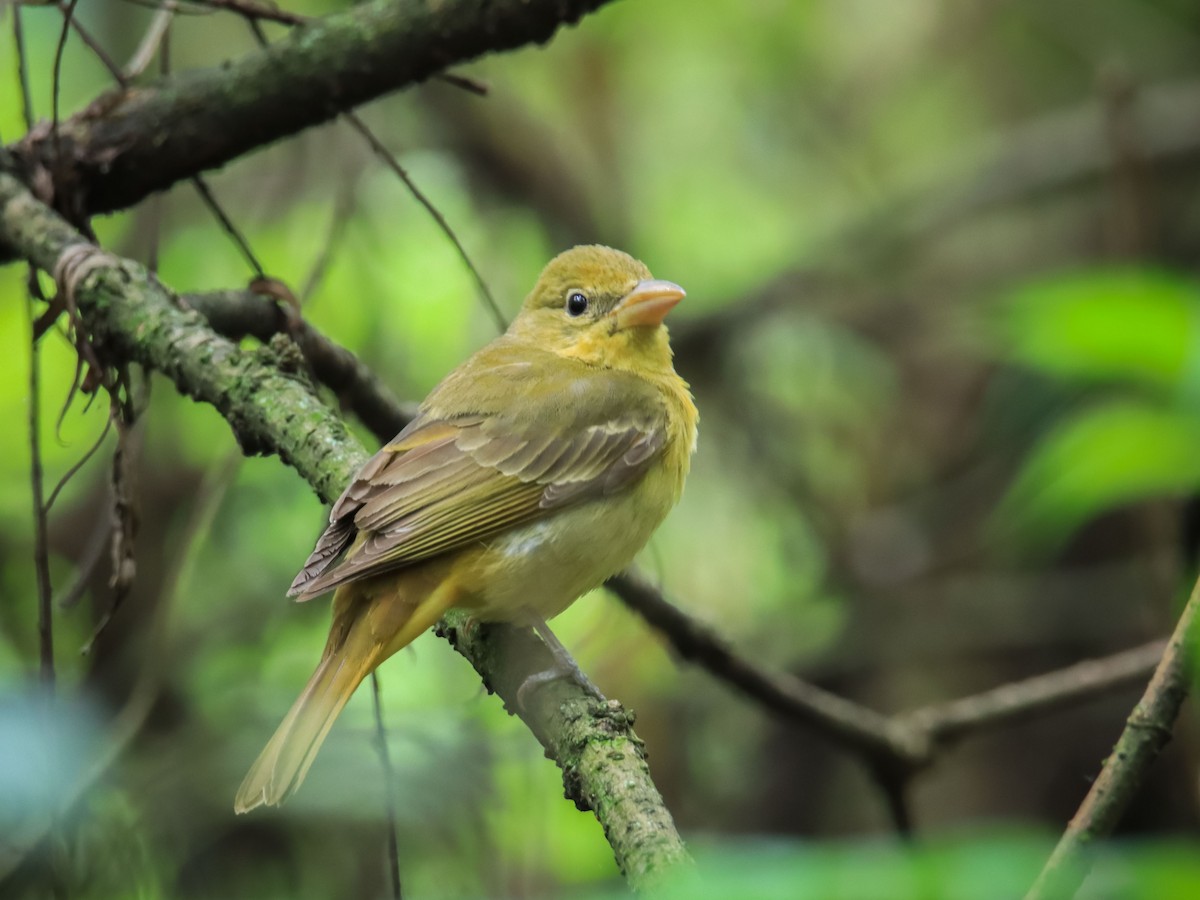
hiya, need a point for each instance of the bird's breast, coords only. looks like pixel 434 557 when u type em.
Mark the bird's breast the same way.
pixel 542 567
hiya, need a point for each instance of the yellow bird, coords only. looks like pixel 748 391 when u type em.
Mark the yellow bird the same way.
pixel 535 470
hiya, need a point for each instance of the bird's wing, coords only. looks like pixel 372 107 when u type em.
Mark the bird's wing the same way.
pixel 533 440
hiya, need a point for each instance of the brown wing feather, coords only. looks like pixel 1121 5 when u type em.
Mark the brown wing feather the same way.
pixel 451 479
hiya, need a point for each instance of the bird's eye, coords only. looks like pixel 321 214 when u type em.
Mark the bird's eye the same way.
pixel 577 303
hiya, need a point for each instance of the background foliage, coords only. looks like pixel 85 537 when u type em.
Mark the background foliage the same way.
pixel 942 326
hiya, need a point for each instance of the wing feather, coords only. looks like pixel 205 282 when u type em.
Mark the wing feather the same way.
pixel 454 477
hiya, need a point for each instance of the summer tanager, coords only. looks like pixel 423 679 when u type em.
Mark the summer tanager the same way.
pixel 535 470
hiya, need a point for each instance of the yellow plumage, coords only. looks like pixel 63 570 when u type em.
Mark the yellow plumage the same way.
pixel 535 470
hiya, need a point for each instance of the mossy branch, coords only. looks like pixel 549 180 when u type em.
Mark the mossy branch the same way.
pixel 132 317
pixel 130 143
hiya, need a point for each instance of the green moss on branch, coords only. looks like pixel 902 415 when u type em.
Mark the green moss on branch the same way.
pixel 128 144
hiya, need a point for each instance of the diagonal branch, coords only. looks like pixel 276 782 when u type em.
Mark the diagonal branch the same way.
pixel 853 726
pixel 128 144
pixel 897 745
pixel 271 409
pixel 950 721
pixel 1147 731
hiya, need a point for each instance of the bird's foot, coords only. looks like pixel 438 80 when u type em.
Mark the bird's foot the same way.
pixel 564 667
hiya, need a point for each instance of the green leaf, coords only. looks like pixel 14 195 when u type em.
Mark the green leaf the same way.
pixel 1138 325
pixel 1100 458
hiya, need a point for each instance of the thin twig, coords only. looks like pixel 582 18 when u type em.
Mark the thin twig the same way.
pixel 206 194
pixel 1040 694
pixel 468 84
pixel 92 44
pixel 41 553
pixel 159 201
pixel 1147 731
pixel 68 14
pixel 22 68
pixel 256 11
pixel 151 40
pixel 79 464
pixel 389 781
pixel 389 159
pixel 343 207
pixel 392 163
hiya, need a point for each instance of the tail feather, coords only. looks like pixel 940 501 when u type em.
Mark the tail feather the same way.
pixel 285 761
pixel 363 635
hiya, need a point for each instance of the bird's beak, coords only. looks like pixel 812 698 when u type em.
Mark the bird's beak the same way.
pixel 647 304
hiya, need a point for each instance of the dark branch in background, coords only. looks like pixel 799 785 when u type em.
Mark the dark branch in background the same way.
pixel 235 234
pixel 1147 731
pixel 238 314
pixel 41 553
pixel 389 789
pixel 126 145
pixel 948 722
pixel 271 409
pixel 848 724
pixel 908 740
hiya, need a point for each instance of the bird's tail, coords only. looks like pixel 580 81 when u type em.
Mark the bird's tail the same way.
pixel 355 648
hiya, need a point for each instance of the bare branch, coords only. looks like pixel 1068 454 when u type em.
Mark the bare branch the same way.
pixel 151 41
pixel 239 239
pixel 1147 731
pixel 846 723
pixel 41 553
pixel 389 789
pixel 22 68
pixel 1041 694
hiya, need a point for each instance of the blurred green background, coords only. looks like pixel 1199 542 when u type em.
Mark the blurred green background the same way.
pixel 943 327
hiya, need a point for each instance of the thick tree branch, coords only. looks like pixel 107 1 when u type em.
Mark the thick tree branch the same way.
pixel 131 316
pixel 603 761
pixel 1147 731
pixel 128 144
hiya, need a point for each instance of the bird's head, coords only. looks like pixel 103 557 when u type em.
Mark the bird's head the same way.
pixel 601 306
